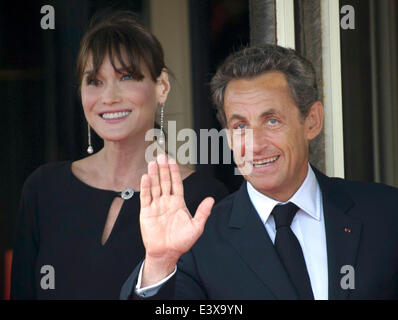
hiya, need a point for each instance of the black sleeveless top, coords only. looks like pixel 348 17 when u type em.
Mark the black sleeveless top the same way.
pixel 61 221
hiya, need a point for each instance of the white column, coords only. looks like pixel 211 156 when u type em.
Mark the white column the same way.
pixel 331 61
pixel 285 23
pixel 170 24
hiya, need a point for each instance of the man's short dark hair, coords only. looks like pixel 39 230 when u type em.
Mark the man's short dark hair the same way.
pixel 251 62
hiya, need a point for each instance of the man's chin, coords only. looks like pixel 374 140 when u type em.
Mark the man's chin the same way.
pixel 264 184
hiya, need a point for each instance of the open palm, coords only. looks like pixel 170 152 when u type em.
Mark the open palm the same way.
pixel 168 230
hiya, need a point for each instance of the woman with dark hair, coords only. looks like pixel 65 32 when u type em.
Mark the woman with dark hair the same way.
pixel 78 234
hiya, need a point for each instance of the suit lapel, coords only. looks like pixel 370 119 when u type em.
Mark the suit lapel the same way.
pixel 250 238
pixel 342 233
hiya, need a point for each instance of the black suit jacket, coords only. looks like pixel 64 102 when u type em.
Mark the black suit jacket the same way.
pixel 236 259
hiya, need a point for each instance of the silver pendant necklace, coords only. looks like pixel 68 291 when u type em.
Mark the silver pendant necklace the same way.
pixel 127 193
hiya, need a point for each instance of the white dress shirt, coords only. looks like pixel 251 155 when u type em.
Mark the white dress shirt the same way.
pixel 153 289
pixel 308 225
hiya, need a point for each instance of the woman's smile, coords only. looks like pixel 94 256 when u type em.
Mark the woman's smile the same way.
pixel 115 116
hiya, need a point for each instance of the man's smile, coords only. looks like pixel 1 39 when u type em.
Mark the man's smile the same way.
pixel 260 163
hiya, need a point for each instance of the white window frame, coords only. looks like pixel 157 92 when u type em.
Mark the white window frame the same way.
pixel 331 64
pixel 332 93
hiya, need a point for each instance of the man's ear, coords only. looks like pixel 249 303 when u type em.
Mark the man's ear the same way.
pixel 162 87
pixel 314 120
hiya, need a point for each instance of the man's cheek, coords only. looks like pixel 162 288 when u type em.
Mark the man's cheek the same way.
pixel 241 143
pixel 238 148
pixel 242 146
pixel 247 145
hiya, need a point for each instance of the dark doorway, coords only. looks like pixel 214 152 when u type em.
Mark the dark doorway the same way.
pixel 218 27
pixel 369 55
pixel 43 116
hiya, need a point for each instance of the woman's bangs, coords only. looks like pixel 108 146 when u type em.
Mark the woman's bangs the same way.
pixel 122 54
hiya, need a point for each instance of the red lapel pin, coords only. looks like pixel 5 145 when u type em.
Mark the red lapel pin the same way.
pixel 347 230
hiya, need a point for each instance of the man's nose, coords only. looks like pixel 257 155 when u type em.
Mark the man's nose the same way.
pixel 260 140
pixel 111 94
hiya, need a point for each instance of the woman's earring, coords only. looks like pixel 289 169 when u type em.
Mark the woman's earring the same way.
pixel 90 149
pixel 161 138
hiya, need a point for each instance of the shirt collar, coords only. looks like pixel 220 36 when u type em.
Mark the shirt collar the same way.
pixel 307 198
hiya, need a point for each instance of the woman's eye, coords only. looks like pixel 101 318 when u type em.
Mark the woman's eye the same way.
pixel 93 82
pixel 127 77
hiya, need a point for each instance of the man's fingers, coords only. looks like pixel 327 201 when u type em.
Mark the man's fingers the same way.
pixel 145 191
pixel 176 182
pixel 153 173
pixel 164 172
pixel 202 213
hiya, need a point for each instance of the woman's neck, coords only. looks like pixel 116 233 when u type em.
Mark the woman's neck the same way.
pixel 122 164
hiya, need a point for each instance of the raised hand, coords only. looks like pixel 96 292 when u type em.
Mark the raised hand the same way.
pixel 167 228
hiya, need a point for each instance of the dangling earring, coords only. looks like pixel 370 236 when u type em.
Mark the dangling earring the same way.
pixel 161 138
pixel 90 149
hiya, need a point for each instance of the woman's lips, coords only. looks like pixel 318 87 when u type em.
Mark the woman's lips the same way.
pixel 115 116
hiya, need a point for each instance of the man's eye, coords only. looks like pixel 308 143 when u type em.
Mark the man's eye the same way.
pixel 240 126
pixel 273 121
pixel 127 77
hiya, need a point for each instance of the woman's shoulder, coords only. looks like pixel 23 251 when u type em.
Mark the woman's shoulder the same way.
pixel 48 172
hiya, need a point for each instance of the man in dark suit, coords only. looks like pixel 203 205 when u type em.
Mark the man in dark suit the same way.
pixel 289 232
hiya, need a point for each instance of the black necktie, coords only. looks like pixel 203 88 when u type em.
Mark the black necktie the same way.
pixel 289 250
